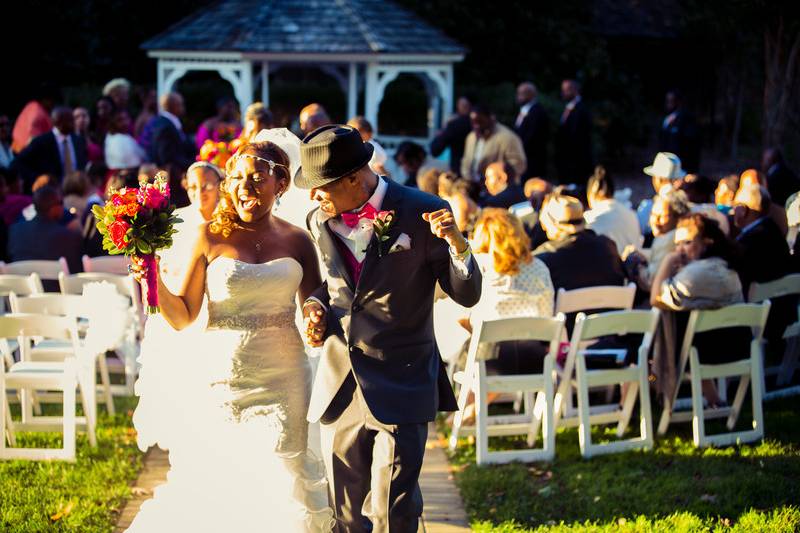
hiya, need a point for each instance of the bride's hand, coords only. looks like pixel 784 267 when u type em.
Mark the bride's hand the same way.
pixel 316 322
pixel 138 270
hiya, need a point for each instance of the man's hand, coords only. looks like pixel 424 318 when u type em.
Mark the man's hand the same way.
pixel 316 322
pixel 443 225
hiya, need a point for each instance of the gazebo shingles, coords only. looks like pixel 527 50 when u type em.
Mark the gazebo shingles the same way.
pixel 305 26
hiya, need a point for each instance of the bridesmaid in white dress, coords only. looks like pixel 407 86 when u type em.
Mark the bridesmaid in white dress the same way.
pixel 240 461
pixel 161 386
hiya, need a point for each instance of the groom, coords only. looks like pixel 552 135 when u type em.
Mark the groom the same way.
pixel 380 378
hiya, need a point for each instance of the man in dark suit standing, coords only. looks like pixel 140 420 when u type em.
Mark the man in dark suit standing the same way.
pixel 454 135
pixel 58 152
pixel 380 380
pixel 533 128
pixel 678 133
pixel 44 237
pixel 574 161
pixel 781 181
pixel 169 147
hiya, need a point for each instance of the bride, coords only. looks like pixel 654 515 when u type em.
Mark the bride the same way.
pixel 241 462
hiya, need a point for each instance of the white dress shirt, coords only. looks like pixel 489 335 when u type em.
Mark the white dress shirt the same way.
pixel 6 155
pixel 523 112
pixel 60 138
pixel 172 118
pixel 617 222
pixel 357 238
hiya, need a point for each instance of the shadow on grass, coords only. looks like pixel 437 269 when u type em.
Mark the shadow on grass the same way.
pixel 714 486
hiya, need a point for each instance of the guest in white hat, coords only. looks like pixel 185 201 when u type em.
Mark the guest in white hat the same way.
pixel 666 173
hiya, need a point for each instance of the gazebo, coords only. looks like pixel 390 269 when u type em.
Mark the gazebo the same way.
pixel 363 44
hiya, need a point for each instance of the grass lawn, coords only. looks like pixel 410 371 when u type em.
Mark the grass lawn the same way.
pixel 84 496
pixel 674 487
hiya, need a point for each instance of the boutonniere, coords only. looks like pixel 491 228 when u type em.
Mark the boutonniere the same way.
pixel 381 224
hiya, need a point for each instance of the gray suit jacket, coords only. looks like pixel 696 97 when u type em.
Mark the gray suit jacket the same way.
pixel 381 329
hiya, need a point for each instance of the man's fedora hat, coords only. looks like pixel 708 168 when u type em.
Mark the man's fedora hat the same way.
pixel 666 165
pixel 331 152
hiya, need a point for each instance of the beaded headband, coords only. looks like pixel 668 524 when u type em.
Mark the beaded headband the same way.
pixel 272 164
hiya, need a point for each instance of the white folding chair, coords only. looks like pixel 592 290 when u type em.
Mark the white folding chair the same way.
pixel 748 370
pixel 54 350
pixel 128 350
pixel 784 372
pixel 580 300
pixel 46 270
pixel 593 327
pixel 535 413
pixel 74 371
pixel 109 264
pixel 23 285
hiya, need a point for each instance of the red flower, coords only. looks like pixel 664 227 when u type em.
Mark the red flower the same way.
pixel 117 231
pixel 125 202
pixel 152 198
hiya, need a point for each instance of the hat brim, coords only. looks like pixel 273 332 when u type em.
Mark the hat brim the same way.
pixel 650 171
pixel 304 181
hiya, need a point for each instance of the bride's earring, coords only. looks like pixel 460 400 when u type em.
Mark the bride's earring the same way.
pixel 278 199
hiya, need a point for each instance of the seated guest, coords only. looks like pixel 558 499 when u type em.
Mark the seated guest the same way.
pixel 502 186
pixel 257 117
pixel 725 192
pixel 793 220
pixel 77 191
pixel 700 191
pixel 12 203
pixel 225 126
pixel 668 208
pixel 121 149
pixel 751 178
pixel 781 181
pixel 606 216
pixel 666 173
pixel 378 161
pixel 429 181
pixel 698 275
pixel 45 237
pixel 576 256
pixel 515 284
pixel 455 192
pixel 413 161
pixel 764 251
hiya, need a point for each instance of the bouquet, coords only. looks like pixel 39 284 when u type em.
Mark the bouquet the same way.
pixel 137 222
pixel 218 152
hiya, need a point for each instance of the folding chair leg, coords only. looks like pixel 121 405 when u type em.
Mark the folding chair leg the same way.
pixel 645 412
pixel 88 393
pixel 738 400
pixel 463 397
pixel 627 408
pixel 537 414
pixel 757 393
pixel 666 414
pixel 698 418
pixel 69 415
pixel 481 429
pixel 585 428
pixel 722 388
pixel 106 381
pixel 789 363
pixel 6 423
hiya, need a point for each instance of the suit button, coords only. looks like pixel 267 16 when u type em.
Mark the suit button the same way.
pixel 357 308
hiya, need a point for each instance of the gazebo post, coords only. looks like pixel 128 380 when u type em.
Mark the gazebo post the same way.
pixel 371 97
pixel 352 91
pixel 265 83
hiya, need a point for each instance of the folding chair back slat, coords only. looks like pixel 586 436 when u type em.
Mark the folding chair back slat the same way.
pixel 592 298
pixel 616 323
pixel 109 264
pixel 784 286
pixel 45 269
pixel 22 285
pixel 73 284
pixel 732 316
pixel 69 305
pixel 518 329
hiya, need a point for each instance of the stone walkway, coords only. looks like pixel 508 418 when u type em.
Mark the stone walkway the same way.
pixel 444 510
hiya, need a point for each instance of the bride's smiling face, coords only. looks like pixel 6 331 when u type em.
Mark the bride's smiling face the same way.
pixel 253 189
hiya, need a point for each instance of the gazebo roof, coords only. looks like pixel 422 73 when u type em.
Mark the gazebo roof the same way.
pixel 305 27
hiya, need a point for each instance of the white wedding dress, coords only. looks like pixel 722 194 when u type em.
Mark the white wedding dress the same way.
pixel 239 451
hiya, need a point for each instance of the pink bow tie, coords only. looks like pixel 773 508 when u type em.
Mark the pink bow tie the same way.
pixel 368 212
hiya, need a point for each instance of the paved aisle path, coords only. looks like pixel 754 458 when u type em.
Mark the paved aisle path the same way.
pixel 444 510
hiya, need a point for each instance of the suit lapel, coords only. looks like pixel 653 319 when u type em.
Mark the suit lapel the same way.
pixel 330 253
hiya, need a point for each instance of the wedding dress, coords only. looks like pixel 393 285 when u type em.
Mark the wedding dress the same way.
pixel 239 454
